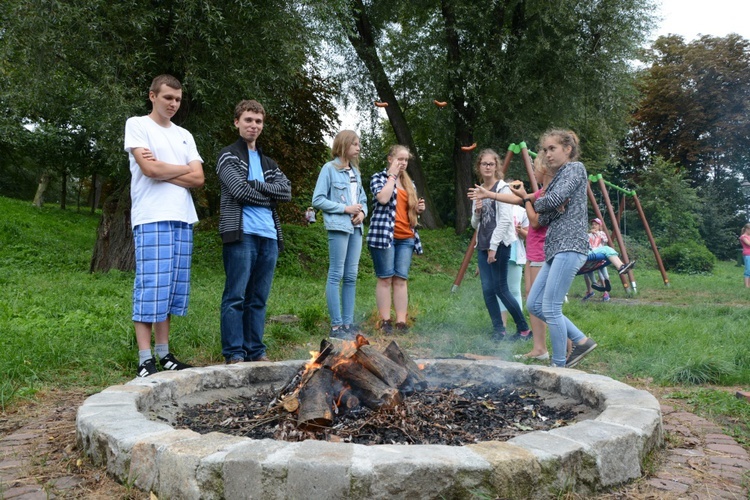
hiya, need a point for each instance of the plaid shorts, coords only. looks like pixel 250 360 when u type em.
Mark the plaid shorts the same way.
pixel 163 254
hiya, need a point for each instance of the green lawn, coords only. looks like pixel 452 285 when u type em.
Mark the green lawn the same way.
pixel 63 327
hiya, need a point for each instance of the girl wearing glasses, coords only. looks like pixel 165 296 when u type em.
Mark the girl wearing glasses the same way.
pixel 493 221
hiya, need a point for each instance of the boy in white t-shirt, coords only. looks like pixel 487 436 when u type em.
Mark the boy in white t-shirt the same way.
pixel 164 163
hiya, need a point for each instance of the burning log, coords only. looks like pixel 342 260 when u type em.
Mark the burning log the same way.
pixel 316 402
pixel 339 381
pixel 385 369
pixel 415 380
pixel 372 391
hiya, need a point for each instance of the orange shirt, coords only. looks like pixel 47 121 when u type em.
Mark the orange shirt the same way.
pixel 402 230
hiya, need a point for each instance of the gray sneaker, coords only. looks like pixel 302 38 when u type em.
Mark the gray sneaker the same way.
pixel 578 352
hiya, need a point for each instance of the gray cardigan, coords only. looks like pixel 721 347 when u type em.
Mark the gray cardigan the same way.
pixel 567 226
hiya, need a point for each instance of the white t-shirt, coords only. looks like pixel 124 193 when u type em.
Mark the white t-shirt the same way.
pixel 154 200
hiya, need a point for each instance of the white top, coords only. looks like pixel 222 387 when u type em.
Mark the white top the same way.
pixel 154 200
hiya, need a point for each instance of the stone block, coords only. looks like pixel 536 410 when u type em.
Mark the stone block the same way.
pixel 425 471
pixel 256 469
pixel 145 455
pixel 616 449
pixel 189 470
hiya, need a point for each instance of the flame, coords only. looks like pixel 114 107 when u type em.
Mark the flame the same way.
pixel 421 366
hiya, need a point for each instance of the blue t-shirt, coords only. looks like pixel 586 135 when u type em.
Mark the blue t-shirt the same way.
pixel 257 220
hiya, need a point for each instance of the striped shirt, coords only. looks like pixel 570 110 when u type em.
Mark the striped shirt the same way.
pixel 563 208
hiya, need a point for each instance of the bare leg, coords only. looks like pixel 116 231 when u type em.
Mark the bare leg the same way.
pixel 538 327
pixel 400 299
pixel 747 282
pixel 615 260
pixel 383 297
pixel 143 335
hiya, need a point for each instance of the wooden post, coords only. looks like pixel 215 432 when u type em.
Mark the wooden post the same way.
pixel 598 213
pixel 651 239
pixel 616 230
pixel 465 263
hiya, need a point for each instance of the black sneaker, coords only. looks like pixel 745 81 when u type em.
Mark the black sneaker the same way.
pixel 499 335
pixel 386 326
pixel 578 352
pixel 169 362
pixel 626 267
pixel 146 368
pixel 341 333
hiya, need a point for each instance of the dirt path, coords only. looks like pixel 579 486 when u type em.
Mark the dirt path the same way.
pixel 39 458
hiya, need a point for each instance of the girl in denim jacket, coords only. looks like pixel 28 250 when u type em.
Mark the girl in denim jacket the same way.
pixel 340 196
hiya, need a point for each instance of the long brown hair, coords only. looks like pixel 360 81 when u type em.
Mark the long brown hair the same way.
pixel 407 183
pixel 341 144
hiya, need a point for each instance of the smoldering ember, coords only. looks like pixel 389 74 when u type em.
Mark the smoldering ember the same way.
pixel 355 393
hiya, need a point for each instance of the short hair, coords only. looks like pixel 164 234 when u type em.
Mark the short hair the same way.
pixel 165 79
pixel 341 144
pixel 248 105
pixel 498 163
pixel 565 138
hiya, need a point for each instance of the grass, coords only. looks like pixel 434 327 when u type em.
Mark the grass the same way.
pixel 62 327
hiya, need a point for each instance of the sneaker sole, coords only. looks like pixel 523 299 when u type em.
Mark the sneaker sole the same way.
pixel 580 357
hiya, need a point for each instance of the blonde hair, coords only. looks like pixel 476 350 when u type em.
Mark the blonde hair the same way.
pixel 341 144
pixel 565 138
pixel 407 183
pixel 746 228
pixel 498 163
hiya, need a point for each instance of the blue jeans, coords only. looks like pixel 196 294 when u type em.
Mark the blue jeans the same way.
pixel 494 279
pixel 746 258
pixel 546 297
pixel 249 265
pixel 394 260
pixel 344 250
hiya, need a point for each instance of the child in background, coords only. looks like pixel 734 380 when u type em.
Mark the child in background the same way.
pixel 745 241
pixel 393 238
pixel 340 196
pixel 517 259
pixel 598 245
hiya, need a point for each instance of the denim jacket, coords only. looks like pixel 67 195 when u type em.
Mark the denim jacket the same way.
pixel 331 196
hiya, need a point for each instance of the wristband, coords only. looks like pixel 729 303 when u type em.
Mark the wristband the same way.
pixel 526 200
pixel 394 176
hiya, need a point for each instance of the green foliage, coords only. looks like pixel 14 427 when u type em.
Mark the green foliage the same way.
pixel 49 76
pixel 671 206
pixel 495 63
pixel 688 257
pixel 701 371
pixel 694 110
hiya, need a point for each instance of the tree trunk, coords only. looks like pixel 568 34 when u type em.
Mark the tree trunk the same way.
pixel 64 190
pixel 463 116
pixel 114 247
pixel 365 47
pixel 41 188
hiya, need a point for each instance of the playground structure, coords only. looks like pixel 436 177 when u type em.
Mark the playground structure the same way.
pixel 628 279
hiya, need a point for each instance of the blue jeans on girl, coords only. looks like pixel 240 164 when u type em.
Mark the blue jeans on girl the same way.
pixel 494 279
pixel 546 299
pixel 344 250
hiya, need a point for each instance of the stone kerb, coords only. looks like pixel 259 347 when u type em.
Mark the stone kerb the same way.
pixel 113 429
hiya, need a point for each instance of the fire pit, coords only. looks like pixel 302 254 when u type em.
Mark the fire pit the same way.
pixel 127 428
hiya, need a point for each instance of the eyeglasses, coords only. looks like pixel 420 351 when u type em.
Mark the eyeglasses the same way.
pixel 487 164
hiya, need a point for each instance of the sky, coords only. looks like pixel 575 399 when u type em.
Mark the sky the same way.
pixel 691 18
